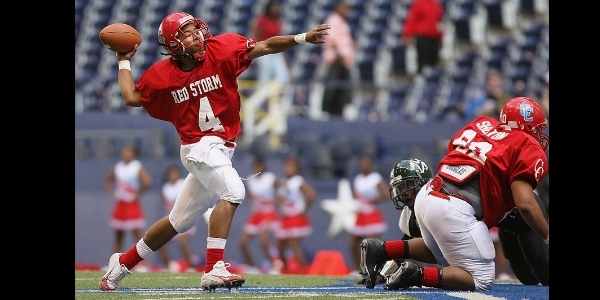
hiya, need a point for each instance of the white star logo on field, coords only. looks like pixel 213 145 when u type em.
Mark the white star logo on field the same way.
pixel 342 210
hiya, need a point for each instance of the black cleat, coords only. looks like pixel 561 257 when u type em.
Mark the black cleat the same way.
pixel 372 259
pixel 408 274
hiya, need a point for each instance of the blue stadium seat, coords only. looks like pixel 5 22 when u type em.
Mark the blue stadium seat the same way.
pixel 379 22
pixel 398 54
pixel 366 70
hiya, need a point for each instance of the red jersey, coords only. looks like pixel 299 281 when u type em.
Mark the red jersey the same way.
pixel 500 156
pixel 205 100
pixel 423 19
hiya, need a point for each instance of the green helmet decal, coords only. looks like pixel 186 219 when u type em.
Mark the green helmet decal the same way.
pixel 407 176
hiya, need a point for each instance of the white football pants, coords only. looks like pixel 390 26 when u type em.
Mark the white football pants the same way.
pixel 211 177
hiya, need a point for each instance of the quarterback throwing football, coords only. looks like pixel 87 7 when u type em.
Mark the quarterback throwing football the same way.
pixel 195 89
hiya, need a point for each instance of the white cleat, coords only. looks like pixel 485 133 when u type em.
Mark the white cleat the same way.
pixel 219 276
pixel 116 272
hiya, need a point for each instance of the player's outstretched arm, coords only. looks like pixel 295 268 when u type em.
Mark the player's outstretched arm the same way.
pixel 281 43
pixel 125 78
pixel 529 208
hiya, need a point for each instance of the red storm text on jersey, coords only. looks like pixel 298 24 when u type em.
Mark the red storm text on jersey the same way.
pixel 500 156
pixel 205 100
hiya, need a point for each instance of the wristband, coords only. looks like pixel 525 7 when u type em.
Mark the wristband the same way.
pixel 124 65
pixel 300 38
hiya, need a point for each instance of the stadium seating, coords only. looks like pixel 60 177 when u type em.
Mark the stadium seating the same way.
pixel 521 53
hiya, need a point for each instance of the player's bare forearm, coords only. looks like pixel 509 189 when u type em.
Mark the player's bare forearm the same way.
pixel 534 217
pixel 274 44
pixel 281 43
pixel 529 208
pixel 130 96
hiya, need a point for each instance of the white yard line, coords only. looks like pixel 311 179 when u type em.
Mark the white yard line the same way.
pixel 237 297
pixel 270 296
pixel 473 296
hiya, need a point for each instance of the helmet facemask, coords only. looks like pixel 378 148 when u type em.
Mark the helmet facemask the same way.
pixel 404 190
pixel 540 133
pixel 176 47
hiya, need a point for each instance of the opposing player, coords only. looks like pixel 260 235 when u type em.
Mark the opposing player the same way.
pixel 406 179
pixel 491 166
pixel 369 189
pixel 195 89
pixel 128 180
pixel 261 191
pixel 169 193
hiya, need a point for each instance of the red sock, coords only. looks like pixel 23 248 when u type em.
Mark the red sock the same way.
pixel 431 276
pixel 396 249
pixel 130 258
pixel 212 257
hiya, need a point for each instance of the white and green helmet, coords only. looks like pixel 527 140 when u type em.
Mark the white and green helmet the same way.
pixel 407 175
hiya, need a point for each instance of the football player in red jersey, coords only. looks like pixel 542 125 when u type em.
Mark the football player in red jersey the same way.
pixel 491 167
pixel 195 89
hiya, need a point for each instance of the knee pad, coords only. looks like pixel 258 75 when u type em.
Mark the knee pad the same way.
pixel 191 201
pixel 228 184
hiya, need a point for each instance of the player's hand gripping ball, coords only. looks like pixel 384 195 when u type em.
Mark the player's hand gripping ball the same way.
pixel 120 37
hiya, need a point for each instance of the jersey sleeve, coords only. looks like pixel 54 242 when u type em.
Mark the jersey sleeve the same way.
pixel 147 87
pixel 155 97
pixel 458 133
pixel 235 50
pixel 531 165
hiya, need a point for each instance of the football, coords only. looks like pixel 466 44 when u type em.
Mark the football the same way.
pixel 120 37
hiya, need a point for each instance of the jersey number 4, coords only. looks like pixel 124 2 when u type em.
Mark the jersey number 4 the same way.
pixel 475 150
pixel 206 118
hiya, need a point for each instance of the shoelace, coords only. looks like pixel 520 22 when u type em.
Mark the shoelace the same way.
pixel 119 275
pixel 224 270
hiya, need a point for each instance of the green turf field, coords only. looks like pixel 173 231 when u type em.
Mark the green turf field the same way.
pixel 185 286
